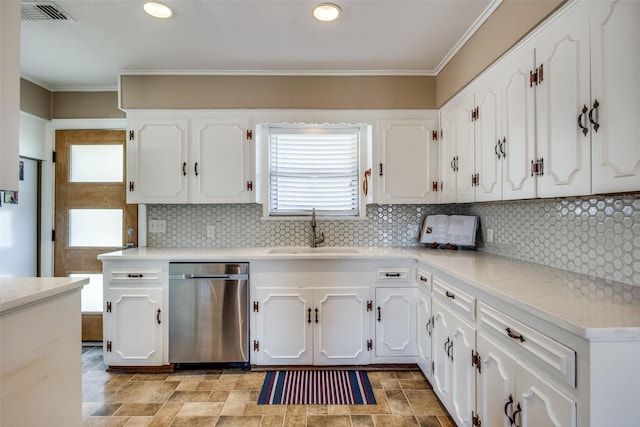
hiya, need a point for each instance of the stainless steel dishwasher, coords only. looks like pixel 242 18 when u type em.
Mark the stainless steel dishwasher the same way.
pixel 208 306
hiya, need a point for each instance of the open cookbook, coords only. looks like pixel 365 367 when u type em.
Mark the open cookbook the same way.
pixel 450 231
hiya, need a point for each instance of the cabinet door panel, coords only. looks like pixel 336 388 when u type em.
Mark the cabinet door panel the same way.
pixel 135 333
pixel 496 383
pixel 157 161
pixel 222 156
pixel 425 328
pixel 563 53
pixel 284 333
pixel 396 324
pixel 342 328
pixel 409 158
pixel 518 146
pixel 615 63
pixel 487 132
pixel 542 405
pixel 442 364
pixel 448 118
pixel 463 373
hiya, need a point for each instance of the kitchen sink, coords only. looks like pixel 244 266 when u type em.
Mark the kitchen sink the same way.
pixel 305 250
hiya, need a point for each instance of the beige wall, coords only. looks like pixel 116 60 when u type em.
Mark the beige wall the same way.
pixel 86 105
pixel 35 100
pixel 508 24
pixel 294 92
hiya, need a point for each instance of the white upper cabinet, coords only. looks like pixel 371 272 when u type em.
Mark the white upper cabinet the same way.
pixel 182 160
pixel 614 107
pixel 157 161
pixel 561 84
pixel 408 160
pixel 221 160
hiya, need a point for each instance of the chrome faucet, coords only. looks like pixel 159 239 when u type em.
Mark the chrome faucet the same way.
pixel 315 239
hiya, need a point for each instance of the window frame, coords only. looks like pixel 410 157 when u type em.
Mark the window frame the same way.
pixel 263 178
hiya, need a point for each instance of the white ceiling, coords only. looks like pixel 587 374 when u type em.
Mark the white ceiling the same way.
pixel 371 37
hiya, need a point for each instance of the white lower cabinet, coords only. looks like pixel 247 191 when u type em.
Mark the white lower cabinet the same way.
pixel 312 326
pixel 510 393
pixel 454 340
pixel 396 322
pixel 424 331
pixel 135 324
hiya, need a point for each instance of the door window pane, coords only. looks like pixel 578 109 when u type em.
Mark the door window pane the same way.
pixel 96 163
pixel 95 227
pixel 91 294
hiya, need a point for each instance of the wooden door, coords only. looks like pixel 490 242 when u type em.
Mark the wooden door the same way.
pixel 78 195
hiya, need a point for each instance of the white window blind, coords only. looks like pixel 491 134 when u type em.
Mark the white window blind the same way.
pixel 313 168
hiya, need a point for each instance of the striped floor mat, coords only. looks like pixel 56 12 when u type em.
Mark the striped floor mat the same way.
pixel 316 388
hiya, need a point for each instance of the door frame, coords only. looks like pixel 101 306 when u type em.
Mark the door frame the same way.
pixel 48 180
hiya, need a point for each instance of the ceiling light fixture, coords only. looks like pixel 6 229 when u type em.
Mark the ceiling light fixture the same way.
pixel 326 12
pixel 157 9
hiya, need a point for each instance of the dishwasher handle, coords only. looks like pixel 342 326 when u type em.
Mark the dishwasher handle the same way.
pixel 209 276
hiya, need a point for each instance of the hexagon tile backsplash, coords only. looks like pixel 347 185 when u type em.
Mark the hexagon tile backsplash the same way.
pixel 598 236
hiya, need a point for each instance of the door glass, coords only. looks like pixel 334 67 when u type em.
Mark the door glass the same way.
pixel 96 163
pixel 95 227
pixel 91 293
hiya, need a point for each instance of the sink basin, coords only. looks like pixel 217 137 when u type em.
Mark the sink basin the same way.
pixel 304 251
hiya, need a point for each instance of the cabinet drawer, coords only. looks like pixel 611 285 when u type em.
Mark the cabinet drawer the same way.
pixel 392 274
pixel 424 279
pixel 455 298
pixel 142 275
pixel 557 358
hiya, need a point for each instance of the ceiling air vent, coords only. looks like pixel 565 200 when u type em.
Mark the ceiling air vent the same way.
pixel 42 11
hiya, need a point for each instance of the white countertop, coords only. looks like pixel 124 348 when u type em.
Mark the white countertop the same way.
pixel 589 307
pixel 17 292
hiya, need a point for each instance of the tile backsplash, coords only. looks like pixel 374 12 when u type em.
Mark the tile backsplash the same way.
pixel 598 236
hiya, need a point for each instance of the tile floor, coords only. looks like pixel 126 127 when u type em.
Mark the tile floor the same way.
pixel 229 398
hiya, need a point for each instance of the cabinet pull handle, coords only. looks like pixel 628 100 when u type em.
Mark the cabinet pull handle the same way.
pixel 423 279
pixel 502 145
pixel 582 114
pixel 392 274
pixel 515 335
pixel 316 314
pixel 446 346
pixel 449 295
pixel 428 328
pixel 516 412
pixel 379 314
pixel 450 350
pixel 456 159
pixel 195 167
pixel 309 315
pixel 495 149
pixel 452 164
pixel 365 182
pixel 135 275
pixel 595 123
pixel 184 168
pixel 506 410
pixel 158 317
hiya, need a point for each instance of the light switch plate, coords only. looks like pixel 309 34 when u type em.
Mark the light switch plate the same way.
pixel 211 232
pixel 489 235
pixel 157 226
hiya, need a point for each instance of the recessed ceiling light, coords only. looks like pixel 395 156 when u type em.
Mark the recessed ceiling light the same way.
pixel 326 11
pixel 157 9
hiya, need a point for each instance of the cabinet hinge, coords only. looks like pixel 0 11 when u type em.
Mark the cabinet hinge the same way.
pixel 369 345
pixel 475 114
pixel 537 167
pixel 108 306
pixel 131 135
pixel 53 156
pixel 536 76
pixel 256 306
pixel 249 134
pixel 256 345
pixel 434 135
pixel 434 186
pixel 369 305
pixel 131 186
pixel 249 185
pixel 433 368
pixel 475 419
pixel 53 235
pixel 476 361
pixel 380 169
pixel 109 346
pixel 475 180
